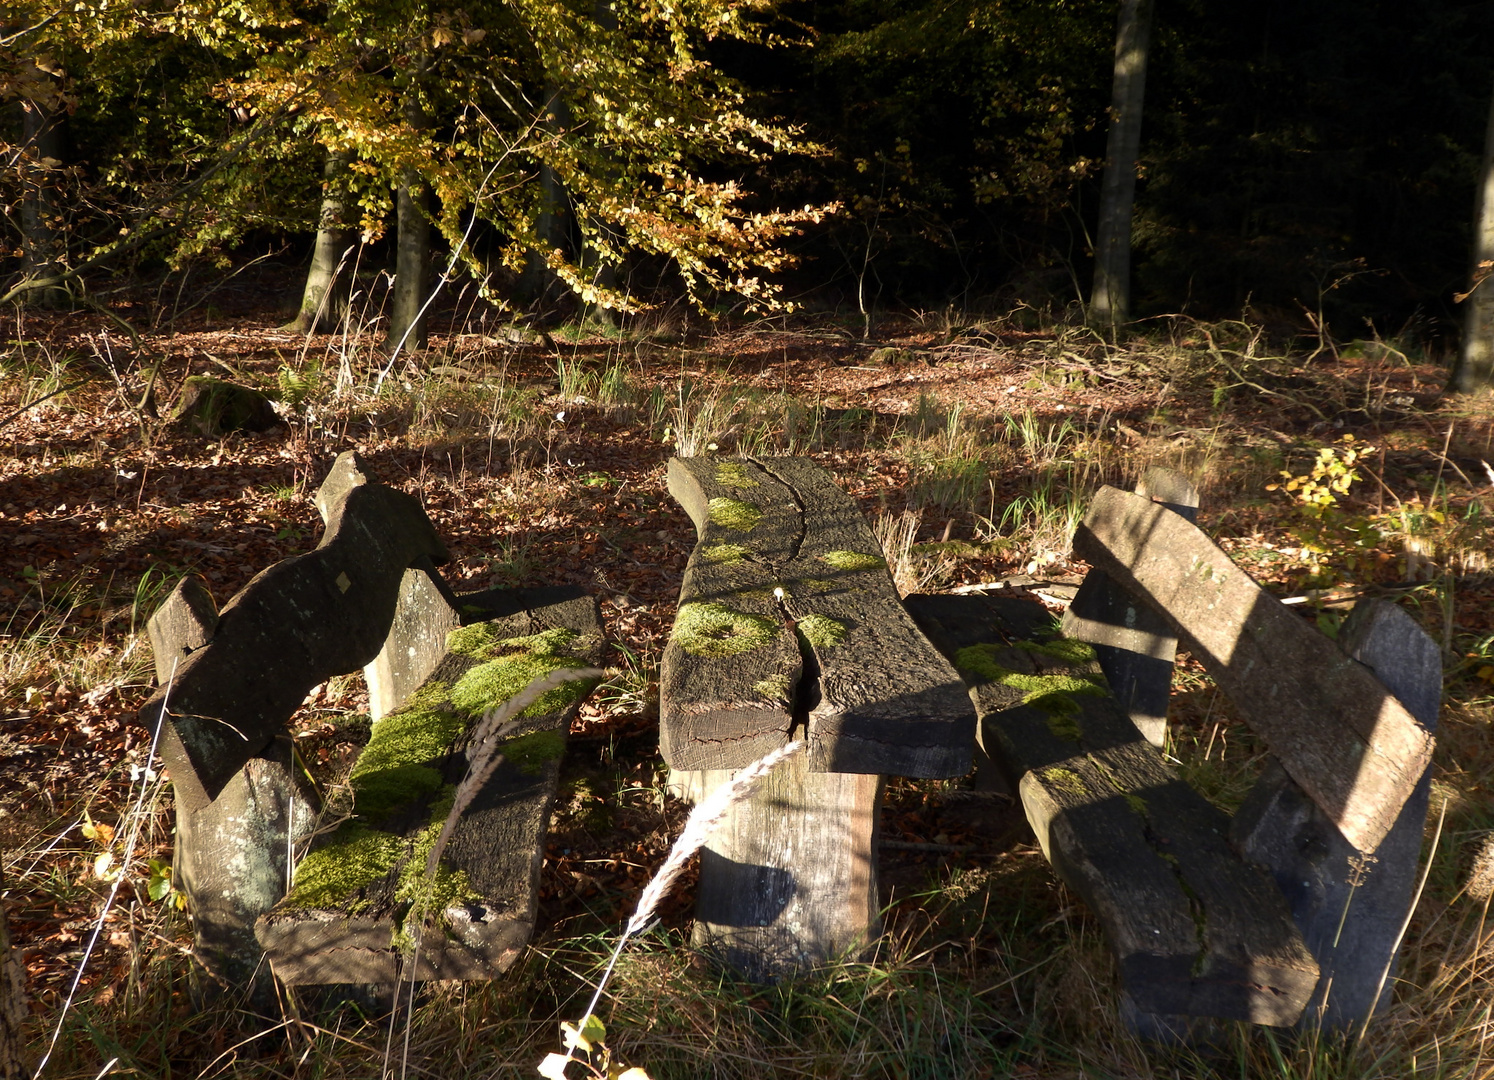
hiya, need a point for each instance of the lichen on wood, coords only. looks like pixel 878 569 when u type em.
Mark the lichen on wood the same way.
pixel 716 630
pixel 733 514
pixel 852 560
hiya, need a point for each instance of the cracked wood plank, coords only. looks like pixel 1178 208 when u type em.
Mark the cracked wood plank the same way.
pixel 1195 930
pixel 781 545
pixel 1347 742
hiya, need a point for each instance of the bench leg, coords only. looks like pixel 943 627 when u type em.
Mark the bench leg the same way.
pixel 789 878
pixel 1349 909
pixel 231 861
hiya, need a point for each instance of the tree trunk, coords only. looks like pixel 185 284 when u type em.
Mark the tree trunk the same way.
pixel 538 284
pixel 1475 364
pixel 324 301
pixel 44 136
pixel 1110 300
pixel 413 243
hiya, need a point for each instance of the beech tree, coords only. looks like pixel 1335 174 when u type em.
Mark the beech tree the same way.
pixel 1110 298
pixel 1474 368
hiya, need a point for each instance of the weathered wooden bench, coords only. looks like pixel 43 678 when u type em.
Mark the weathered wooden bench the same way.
pixel 368 595
pixel 1208 917
pixel 789 626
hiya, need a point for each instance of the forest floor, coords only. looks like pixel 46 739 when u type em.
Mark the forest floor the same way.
pixel 972 441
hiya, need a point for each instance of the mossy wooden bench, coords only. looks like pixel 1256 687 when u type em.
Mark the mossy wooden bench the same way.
pixel 1252 918
pixel 368 595
pixel 345 917
pixel 789 626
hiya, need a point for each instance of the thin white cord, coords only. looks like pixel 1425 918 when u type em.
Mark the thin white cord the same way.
pixel 136 816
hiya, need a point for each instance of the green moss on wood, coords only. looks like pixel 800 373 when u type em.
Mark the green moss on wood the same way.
pixel 1053 695
pixel 774 687
pixel 724 554
pixel 480 641
pixel 733 514
pixel 821 631
pixel 1066 650
pixel 396 767
pixel 1067 781
pixel 852 560
pixel 333 875
pixel 530 753
pixel 734 474
pixel 473 641
pixel 489 685
pixel 715 630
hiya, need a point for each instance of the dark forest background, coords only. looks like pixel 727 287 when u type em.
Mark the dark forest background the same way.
pixel 1296 158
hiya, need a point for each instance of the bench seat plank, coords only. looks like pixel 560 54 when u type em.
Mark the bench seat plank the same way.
pixel 781 545
pixel 342 922
pixel 1196 931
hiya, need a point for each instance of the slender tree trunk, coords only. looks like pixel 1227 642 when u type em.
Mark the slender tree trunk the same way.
pixel 44 138
pixel 1110 300
pixel 600 272
pixel 1475 364
pixel 538 284
pixel 413 243
pixel 324 301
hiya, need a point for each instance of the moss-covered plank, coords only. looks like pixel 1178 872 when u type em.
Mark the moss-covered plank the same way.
pixel 732 667
pixel 1196 931
pixel 1347 742
pixel 787 608
pixel 884 700
pixel 345 919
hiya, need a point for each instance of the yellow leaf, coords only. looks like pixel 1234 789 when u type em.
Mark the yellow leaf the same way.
pixel 553 1067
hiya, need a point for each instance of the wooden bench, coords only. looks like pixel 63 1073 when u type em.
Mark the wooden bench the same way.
pixel 1198 930
pixel 229 682
pixel 789 625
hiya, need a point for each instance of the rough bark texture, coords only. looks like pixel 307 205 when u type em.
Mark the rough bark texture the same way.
pixel 1339 734
pixel 1475 366
pixel 1134 644
pixel 1110 300
pixel 789 878
pixel 294 625
pixel 1350 909
pixel 836 646
pixel 324 299
pixel 412 205
pixel 1195 930
pixel 44 147
pixel 498 845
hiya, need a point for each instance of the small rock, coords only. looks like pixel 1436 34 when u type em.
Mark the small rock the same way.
pixel 211 407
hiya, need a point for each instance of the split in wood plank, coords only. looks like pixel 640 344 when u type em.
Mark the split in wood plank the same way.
pixel 787 606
